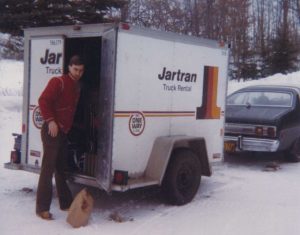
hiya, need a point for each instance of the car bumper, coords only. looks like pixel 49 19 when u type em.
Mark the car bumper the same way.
pixel 240 143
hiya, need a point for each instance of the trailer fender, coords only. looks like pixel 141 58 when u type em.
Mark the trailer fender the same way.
pixel 162 151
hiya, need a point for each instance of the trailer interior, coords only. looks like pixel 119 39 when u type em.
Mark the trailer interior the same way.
pixel 83 137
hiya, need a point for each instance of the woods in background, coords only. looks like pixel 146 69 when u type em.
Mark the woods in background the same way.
pixel 263 34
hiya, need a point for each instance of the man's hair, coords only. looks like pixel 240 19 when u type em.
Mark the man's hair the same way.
pixel 76 60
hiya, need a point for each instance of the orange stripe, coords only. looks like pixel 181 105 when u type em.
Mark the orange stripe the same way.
pixel 170 115
pixel 127 115
pixel 121 115
pixel 215 110
pixel 209 93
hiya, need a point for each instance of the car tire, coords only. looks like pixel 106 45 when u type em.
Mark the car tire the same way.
pixel 182 178
pixel 294 154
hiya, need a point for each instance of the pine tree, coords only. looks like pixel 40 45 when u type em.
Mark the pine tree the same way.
pixel 18 14
pixel 285 49
pixel 284 57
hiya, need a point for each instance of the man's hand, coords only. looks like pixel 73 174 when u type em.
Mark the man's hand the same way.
pixel 52 128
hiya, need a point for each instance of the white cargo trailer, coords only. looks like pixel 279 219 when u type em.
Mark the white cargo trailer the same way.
pixel 151 110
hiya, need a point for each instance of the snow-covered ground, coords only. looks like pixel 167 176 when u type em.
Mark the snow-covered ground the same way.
pixel 239 199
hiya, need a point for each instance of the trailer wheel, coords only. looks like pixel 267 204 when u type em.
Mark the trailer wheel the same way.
pixel 182 178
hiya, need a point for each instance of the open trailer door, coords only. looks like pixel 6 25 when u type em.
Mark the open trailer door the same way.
pixel 46 61
pixel 105 135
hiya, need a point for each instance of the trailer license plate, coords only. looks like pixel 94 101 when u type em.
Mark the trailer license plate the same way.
pixel 229 146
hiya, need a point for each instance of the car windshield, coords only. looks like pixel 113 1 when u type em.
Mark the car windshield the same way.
pixel 261 98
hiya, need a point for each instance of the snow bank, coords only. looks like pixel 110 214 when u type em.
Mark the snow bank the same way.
pixel 11 78
pixel 280 79
pixel 11 85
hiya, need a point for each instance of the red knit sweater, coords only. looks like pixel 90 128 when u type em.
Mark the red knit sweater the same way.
pixel 59 100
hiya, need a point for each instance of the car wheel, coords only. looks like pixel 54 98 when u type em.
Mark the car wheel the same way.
pixel 294 154
pixel 182 178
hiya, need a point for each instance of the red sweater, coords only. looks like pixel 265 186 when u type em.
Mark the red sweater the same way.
pixel 59 100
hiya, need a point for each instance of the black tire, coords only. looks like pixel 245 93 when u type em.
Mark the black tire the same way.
pixel 294 154
pixel 182 178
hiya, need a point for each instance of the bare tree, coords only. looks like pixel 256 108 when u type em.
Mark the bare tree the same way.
pixel 251 27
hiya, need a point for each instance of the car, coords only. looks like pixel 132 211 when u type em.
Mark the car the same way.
pixel 264 118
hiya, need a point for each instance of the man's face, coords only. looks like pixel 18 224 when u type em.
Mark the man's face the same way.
pixel 76 71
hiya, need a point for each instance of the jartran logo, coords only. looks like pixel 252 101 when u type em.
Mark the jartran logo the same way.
pixel 52 61
pixel 137 124
pixel 51 57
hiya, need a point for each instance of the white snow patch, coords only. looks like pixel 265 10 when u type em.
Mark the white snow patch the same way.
pixel 280 79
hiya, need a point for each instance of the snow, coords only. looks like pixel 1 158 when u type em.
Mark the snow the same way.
pixel 278 79
pixel 239 199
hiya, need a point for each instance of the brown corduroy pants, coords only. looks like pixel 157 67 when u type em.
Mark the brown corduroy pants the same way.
pixel 54 162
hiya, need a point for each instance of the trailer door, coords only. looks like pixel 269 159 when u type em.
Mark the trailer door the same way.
pixel 105 136
pixel 46 61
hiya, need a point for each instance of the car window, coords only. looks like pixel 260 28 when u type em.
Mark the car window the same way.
pixel 237 98
pixel 282 99
pixel 258 98
pixel 261 98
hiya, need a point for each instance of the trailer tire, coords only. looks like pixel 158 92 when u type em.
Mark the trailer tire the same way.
pixel 182 178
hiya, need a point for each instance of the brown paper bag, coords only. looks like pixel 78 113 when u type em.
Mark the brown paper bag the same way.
pixel 80 209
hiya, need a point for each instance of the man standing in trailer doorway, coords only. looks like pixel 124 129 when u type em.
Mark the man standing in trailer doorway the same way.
pixel 58 105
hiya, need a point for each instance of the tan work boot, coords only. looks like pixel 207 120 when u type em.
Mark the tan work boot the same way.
pixel 46 215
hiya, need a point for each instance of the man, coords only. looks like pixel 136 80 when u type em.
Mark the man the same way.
pixel 58 104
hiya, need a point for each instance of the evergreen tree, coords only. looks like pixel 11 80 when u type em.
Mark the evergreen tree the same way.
pixel 284 57
pixel 12 47
pixel 18 14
